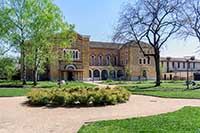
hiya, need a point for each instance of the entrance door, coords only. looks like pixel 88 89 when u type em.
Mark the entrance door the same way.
pixel 70 76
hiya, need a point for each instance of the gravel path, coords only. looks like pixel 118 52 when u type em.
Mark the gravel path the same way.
pixel 18 118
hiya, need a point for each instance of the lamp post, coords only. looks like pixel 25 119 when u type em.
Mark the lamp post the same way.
pixel 188 58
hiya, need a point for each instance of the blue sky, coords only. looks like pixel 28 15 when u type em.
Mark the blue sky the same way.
pixel 98 17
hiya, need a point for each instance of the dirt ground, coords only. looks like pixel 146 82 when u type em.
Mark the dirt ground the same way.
pixel 15 117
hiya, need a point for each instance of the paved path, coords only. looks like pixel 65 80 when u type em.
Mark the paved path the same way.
pixel 98 83
pixel 18 118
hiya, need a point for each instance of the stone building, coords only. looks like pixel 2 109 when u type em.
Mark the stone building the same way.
pixel 102 60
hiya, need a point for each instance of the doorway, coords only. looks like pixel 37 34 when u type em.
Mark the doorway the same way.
pixel 70 76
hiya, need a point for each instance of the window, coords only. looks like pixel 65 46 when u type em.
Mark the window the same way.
pixel 188 64
pixel 140 61
pixel 107 60
pixel 148 60
pixel 144 61
pixel 194 65
pixel 75 54
pixel 96 73
pixel 92 60
pixel 100 60
pixel 172 64
pixel 183 64
pixel 178 64
pixel 115 61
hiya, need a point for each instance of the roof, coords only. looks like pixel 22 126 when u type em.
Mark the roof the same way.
pixel 134 43
pixel 177 59
pixel 94 44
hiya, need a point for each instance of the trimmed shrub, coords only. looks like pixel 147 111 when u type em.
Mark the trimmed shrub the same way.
pixel 78 96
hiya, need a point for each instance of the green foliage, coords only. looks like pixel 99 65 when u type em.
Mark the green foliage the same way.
pixel 34 27
pixel 7 67
pixel 182 121
pixel 78 96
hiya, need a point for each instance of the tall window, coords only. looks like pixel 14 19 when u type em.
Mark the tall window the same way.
pixel 108 60
pixel 100 62
pixel 144 61
pixel 178 64
pixel 194 65
pixel 183 64
pixel 74 55
pixel 115 61
pixel 92 60
pixel 188 64
pixel 148 60
pixel 173 65
pixel 140 61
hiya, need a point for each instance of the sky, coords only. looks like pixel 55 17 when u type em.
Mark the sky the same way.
pixel 97 18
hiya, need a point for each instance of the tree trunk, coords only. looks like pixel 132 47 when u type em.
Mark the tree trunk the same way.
pixel 35 71
pixel 23 65
pixel 35 74
pixel 157 68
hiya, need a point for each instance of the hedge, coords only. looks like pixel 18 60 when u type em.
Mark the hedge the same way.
pixel 78 96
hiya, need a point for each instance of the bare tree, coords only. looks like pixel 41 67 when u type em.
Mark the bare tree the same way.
pixel 150 21
pixel 189 18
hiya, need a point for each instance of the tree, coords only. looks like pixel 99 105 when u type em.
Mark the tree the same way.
pixel 48 24
pixel 189 18
pixel 23 20
pixel 8 67
pixel 128 72
pixel 149 21
pixel 17 15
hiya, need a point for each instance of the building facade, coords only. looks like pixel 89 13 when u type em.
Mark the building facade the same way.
pixel 102 60
pixel 178 68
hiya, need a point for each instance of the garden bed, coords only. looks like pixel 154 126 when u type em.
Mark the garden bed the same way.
pixel 78 96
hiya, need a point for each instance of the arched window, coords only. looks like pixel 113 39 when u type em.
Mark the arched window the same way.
pixel 96 73
pixel 144 61
pixel 92 60
pixel 148 60
pixel 107 60
pixel 74 55
pixel 100 62
pixel 77 55
pixel 140 61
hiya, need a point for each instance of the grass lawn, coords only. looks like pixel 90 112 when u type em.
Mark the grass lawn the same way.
pixel 168 89
pixel 13 92
pixel 169 94
pixel 6 92
pixel 185 120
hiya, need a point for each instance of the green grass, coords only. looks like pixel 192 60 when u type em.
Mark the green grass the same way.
pixel 6 92
pixel 191 94
pixel 185 120
pixel 167 89
pixel 13 92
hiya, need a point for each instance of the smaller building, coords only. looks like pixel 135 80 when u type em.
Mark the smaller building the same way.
pixel 176 68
